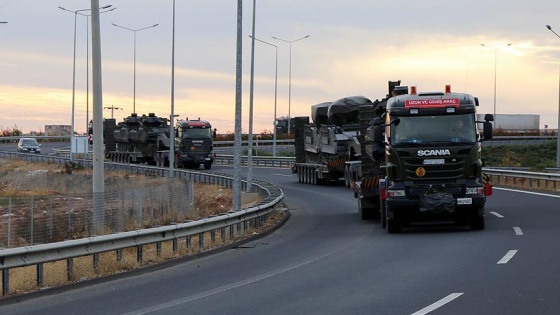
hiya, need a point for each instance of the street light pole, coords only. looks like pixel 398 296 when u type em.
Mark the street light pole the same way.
pixel 134 58
pixel 73 78
pixel 275 93
pixel 495 78
pixel 112 108
pixel 290 78
pixel 172 116
pixel 558 128
pixel 87 62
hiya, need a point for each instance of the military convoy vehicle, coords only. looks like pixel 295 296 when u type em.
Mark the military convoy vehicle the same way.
pixel 425 155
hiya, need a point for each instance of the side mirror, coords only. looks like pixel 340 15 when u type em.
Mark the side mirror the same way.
pixel 489 117
pixel 487 130
pixel 377 130
pixel 214 133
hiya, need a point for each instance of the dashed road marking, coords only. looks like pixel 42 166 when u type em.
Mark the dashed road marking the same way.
pixel 438 304
pixel 507 257
pixel 517 230
pixel 496 214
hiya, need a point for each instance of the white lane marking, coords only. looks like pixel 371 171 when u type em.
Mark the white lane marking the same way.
pixel 527 192
pixel 290 175
pixel 438 304
pixel 507 257
pixel 497 214
pixel 517 230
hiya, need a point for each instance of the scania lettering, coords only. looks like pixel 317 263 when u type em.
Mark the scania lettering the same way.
pixel 433 152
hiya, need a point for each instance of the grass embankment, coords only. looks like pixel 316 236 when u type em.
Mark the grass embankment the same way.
pixel 47 179
pixel 537 157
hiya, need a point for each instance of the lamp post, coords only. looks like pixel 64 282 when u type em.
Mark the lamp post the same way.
pixel 558 128
pixel 112 108
pixel 290 78
pixel 495 77
pixel 87 61
pixel 275 93
pixel 134 81
pixel 172 116
pixel 74 71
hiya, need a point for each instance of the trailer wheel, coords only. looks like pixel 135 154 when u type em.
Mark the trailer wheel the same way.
pixel 476 219
pixel 298 172
pixel 347 179
pixel 315 178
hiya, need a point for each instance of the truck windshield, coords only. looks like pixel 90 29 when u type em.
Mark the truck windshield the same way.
pixel 197 133
pixel 434 129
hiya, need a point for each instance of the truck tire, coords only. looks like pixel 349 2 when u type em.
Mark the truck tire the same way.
pixel 383 213
pixel 298 174
pixel 394 224
pixel 207 165
pixel 476 219
pixel 347 179
pixel 313 177
pixel 363 212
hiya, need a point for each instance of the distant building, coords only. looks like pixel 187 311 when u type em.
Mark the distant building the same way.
pixel 58 130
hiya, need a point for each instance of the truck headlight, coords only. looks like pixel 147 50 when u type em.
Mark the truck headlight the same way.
pixel 474 191
pixel 396 193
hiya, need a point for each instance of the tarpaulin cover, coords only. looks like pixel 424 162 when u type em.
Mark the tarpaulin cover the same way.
pixel 319 114
pixel 437 202
pixel 347 110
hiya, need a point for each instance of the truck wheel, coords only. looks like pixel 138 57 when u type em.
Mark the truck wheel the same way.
pixel 298 172
pixel 476 219
pixel 383 214
pixel 362 212
pixel 313 177
pixel 394 224
pixel 207 165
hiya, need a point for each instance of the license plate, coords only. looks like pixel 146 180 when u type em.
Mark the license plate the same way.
pixel 464 201
pixel 434 161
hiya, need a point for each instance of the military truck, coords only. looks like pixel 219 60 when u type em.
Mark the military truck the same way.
pixel 194 143
pixel 139 139
pixel 146 139
pixel 323 146
pixel 429 146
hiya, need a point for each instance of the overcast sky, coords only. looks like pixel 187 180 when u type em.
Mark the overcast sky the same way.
pixel 354 47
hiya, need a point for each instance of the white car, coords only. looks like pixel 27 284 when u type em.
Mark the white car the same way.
pixel 28 145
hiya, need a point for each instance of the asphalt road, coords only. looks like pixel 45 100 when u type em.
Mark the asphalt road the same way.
pixel 325 260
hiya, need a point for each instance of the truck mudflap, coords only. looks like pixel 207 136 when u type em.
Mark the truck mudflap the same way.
pixel 487 185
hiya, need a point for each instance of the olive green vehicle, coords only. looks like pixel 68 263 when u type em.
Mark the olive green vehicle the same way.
pixel 422 161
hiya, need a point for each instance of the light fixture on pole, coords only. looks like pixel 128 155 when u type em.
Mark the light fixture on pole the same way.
pixel 112 108
pixel 87 62
pixel 495 77
pixel 290 78
pixel 74 72
pixel 275 93
pixel 134 70
pixel 557 128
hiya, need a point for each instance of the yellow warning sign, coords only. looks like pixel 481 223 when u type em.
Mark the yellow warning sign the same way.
pixel 420 172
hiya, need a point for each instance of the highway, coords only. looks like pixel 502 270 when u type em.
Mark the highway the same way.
pixel 325 260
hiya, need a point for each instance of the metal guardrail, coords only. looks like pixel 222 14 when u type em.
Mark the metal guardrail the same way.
pixel 223 159
pixel 236 221
pixel 531 180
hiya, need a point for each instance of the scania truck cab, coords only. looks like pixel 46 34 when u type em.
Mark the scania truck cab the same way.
pixel 433 160
pixel 194 140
